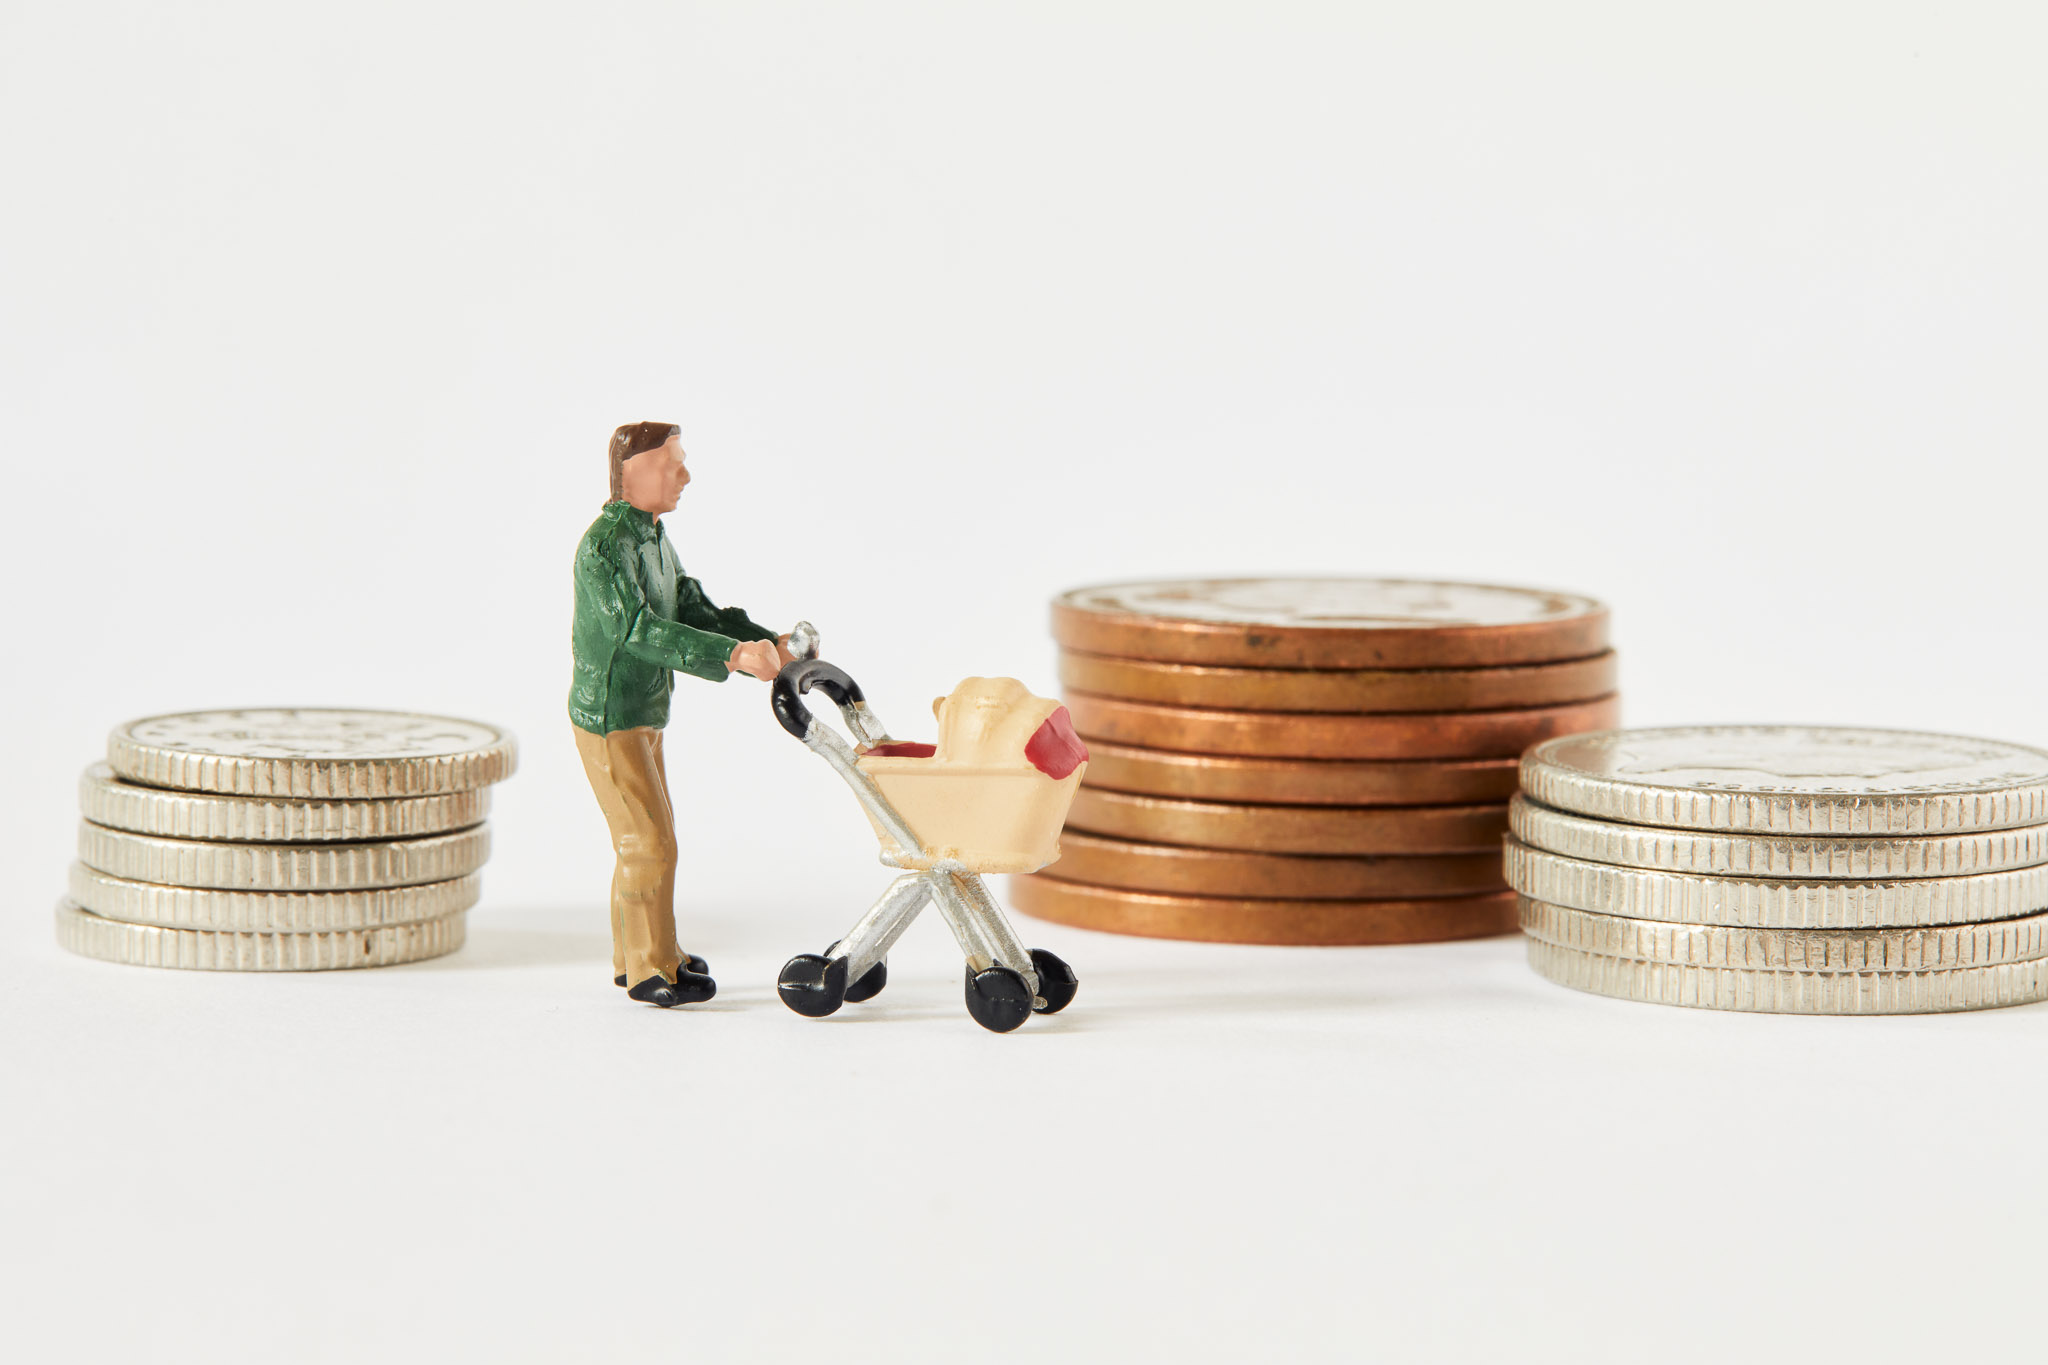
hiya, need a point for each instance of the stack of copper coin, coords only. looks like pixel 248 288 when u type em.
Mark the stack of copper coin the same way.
pixel 1309 760
pixel 282 839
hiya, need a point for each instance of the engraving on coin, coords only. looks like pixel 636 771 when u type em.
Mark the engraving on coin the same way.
pixel 1769 855
pixel 310 753
pixel 1299 782
pixel 283 867
pixel 1330 623
pixel 1729 988
pixel 1220 919
pixel 1793 779
pixel 1178 870
pixel 267 912
pixel 1352 691
pixel 147 945
pixel 106 800
pixel 1288 829
pixel 1267 734
pixel 1330 603
pixel 1943 948
pixel 1744 902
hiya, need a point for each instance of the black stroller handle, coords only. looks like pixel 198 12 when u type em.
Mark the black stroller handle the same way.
pixel 800 677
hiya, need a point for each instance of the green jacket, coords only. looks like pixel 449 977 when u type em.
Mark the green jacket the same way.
pixel 639 617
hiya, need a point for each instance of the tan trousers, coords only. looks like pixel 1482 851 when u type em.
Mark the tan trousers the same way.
pixel 626 772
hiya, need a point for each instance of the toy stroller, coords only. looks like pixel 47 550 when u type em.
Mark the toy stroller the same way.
pixel 989 797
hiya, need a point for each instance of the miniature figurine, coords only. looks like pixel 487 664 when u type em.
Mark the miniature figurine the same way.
pixel 990 796
pixel 640 618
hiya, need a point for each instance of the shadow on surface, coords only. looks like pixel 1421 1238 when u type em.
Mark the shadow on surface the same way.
pixel 941 1008
pixel 1114 998
pixel 490 948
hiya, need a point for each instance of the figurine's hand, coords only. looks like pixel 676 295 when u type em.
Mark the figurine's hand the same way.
pixel 757 658
pixel 782 651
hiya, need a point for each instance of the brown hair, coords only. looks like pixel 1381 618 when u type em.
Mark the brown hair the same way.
pixel 631 439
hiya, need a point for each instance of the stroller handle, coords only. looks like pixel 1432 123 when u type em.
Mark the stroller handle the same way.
pixel 803 640
pixel 800 677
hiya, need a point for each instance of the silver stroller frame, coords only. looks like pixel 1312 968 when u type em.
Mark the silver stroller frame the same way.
pixel 1006 983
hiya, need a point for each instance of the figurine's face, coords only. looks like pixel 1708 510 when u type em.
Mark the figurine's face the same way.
pixel 654 479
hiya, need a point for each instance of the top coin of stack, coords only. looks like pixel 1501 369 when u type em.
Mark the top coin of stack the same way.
pixel 277 840
pixel 1786 869
pixel 1308 760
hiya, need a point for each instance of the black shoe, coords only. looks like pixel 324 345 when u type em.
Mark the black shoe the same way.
pixel 689 988
pixel 690 960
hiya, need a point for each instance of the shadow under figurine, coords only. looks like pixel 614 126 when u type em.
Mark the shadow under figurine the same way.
pixel 990 796
pixel 639 620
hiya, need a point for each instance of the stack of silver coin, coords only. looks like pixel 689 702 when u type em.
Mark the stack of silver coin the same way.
pixel 282 840
pixel 1786 869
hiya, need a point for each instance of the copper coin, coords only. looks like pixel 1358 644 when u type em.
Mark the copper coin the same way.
pixel 1300 782
pixel 1347 690
pixel 1329 623
pixel 1274 734
pixel 1222 919
pixel 1219 872
pixel 1289 829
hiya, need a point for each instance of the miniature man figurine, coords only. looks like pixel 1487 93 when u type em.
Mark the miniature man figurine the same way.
pixel 639 618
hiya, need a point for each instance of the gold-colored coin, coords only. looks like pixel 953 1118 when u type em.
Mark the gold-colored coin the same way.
pixel 1098 861
pixel 1289 829
pixel 1299 782
pixel 1379 690
pixel 1222 919
pixel 1268 734
pixel 1329 623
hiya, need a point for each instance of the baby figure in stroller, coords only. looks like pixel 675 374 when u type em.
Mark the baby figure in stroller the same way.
pixel 990 796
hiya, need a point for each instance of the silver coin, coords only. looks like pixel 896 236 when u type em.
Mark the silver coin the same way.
pixel 1932 949
pixel 148 945
pixel 1744 902
pixel 1768 992
pixel 106 800
pixel 268 912
pixel 1792 779
pixel 311 753
pixel 283 867
pixel 1775 855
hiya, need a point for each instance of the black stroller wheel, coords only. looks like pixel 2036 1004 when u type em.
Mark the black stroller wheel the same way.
pixel 998 999
pixel 870 984
pixel 1056 982
pixel 813 986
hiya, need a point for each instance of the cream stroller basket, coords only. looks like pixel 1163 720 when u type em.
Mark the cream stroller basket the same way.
pixel 975 806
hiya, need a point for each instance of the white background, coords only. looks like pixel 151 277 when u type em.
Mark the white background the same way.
pixel 313 322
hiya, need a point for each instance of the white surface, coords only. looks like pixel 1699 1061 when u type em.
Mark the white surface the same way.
pixel 312 326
